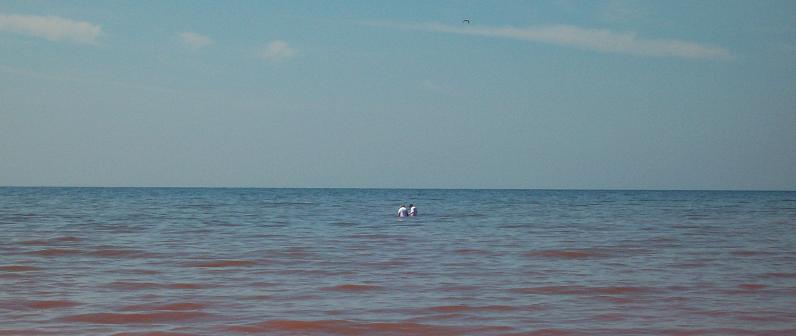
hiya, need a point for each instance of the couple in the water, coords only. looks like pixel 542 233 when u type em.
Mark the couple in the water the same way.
pixel 404 212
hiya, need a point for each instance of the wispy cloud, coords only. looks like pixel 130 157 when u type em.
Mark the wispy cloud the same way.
pixel 83 80
pixel 277 51
pixel 195 41
pixel 602 40
pixel 52 28
pixel 786 47
pixel 620 11
pixel 436 87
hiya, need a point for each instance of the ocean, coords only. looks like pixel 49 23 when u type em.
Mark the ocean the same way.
pixel 197 261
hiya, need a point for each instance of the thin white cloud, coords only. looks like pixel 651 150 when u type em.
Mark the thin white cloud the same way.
pixel 83 80
pixel 277 51
pixel 602 40
pixel 195 41
pixel 786 47
pixel 52 28
pixel 621 11
pixel 436 87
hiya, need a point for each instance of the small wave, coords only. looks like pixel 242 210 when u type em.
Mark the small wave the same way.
pixel 69 239
pixel 179 306
pixel 581 290
pixel 720 331
pixel 264 284
pixel 53 241
pixel 138 271
pixel 37 304
pixel 388 264
pixel 786 275
pixel 56 252
pixel 200 205
pixel 331 326
pixel 375 236
pixel 751 287
pixel 610 317
pixel 313 272
pixel 470 251
pixel 294 252
pixel 25 332
pixel 458 288
pixel 614 299
pixel 52 304
pixel 344 327
pixel 129 285
pixel 185 286
pixel 692 263
pixel 471 309
pixel 352 288
pixel 18 268
pixel 549 332
pixel 748 253
pixel 764 317
pixel 35 242
pixel 745 289
pixel 120 253
pixel 285 204
pixel 570 254
pixel 259 298
pixel 221 263
pixel 135 318
pixel 152 333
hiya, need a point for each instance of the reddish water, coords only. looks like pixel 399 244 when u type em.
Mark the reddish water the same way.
pixel 335 262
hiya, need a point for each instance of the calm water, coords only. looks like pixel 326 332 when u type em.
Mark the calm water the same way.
pixel 150 261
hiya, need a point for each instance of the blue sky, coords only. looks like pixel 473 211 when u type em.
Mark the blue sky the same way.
pixel 529 94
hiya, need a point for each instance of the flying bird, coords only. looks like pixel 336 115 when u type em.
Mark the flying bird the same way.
pixel 466 21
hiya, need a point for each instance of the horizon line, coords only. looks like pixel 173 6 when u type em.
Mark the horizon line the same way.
pixel 399 188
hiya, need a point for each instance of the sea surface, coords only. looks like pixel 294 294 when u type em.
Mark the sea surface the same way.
pixel 171 261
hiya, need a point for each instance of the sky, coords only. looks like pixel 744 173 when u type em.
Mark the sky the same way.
pixel 399 94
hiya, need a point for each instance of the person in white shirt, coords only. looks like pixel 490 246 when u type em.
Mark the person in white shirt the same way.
pixel 412 210
pixel 402 212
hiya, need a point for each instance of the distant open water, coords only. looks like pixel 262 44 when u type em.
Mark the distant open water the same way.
pixel 163 261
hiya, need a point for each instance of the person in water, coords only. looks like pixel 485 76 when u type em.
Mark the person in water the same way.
pixel 412 210
pixel 402 212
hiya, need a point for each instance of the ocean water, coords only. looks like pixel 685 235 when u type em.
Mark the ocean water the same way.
pixel 169 261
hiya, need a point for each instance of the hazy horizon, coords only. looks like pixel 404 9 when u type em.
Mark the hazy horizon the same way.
pixel 608 95
pixel 394 188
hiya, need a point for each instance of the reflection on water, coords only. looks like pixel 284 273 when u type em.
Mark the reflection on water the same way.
pixel 150 261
